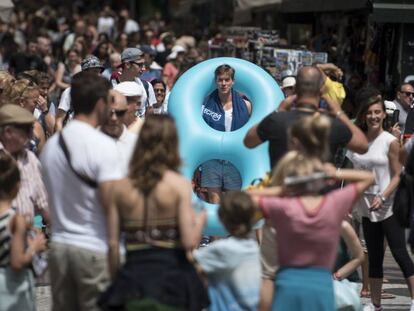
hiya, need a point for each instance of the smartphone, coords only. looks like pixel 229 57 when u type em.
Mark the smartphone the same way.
pixel 395 117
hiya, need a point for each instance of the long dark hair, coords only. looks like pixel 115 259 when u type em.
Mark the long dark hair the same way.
pixel 156 152
pixel 9 176
pixel 365 103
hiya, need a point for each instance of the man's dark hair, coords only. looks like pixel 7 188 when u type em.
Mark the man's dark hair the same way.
pixel 159 81
pixel 222 69
pixel 309 81
pixel 401 85
pixel 86 90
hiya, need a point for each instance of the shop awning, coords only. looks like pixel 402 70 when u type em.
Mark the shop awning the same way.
pixel 393 11
pixel 296 6
pixel 249 4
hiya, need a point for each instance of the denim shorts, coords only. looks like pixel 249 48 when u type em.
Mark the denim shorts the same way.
pixel 220 174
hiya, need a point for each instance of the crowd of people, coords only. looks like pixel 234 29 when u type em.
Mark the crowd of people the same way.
pixel 90 177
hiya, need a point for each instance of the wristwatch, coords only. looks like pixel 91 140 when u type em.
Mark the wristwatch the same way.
pixel 383 199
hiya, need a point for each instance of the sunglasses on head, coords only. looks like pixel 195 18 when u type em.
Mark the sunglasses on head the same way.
pixel 118 113
pixel 407 93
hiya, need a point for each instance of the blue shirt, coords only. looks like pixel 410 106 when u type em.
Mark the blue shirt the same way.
pixel 234 273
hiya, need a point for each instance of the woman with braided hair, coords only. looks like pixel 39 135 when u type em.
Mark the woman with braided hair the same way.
pixel 152 207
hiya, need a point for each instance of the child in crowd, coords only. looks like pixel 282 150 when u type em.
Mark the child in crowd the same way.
pixel 16 252
pixel 232 265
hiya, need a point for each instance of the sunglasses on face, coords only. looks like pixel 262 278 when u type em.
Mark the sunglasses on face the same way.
pixel 118 113
pixel 408 94
pixel 27 128
pixel 140 65
pixel 159 91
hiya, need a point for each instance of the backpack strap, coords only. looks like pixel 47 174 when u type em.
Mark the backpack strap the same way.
pixel 146 87
pixel 91 183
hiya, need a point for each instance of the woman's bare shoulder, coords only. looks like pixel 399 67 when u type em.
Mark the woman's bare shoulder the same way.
pixel 176 181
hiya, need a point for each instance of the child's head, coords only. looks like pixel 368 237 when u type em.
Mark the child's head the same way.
pixel 9 176
pixel 237 213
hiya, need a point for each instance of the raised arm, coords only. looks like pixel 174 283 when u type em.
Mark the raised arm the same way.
pixel 358 142
pixel 362 179
pixel 252 139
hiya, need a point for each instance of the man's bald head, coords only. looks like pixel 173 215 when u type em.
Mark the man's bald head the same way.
pixel 118 101
pixel 114 123
pixel 309 81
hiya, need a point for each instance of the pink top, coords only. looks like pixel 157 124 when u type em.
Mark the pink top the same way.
pixel 307 239
pixel 170 72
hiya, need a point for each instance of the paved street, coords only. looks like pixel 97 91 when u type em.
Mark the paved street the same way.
pixel 396 286
pixel 392 273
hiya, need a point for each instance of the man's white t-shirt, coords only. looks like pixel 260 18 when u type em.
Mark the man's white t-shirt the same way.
pixel 77 216
pixel 125 145
pixel 65 103
pixel 151 95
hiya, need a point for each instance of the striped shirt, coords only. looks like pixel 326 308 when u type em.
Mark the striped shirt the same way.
pixel 5 237
pixel 32 196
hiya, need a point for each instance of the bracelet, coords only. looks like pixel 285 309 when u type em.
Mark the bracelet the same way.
pixel 382 198
pixel 339 113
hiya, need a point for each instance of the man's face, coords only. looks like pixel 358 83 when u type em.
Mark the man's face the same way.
pixel 114 123
pixel 30 101
pixel 115 62
pixel 44 45
pixel 159 91
pixel 224 83
pixel 80 28
pixel 406 95
pixel 137 67
pixel 15 137
pixel 44 88
pixel 147 60
pixel 134 103
pixel 32 48
pixel 288 91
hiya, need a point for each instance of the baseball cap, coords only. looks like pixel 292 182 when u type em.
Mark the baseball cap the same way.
pixel 129 88
pixel 175 50
pixel 91 61
pixel 130 55
pixel 286 73
pixel 14 114
pixel 288 82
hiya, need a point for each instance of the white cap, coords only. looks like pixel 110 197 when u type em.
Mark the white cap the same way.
pixel 129 88
pixel 175 50
pixel 288 82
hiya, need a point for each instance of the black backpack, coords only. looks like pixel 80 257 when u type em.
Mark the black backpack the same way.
pixel 404 195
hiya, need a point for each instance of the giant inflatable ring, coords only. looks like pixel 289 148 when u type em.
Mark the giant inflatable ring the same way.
pixel 199 142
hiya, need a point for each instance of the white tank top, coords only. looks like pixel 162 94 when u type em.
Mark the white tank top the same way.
pixel 228 118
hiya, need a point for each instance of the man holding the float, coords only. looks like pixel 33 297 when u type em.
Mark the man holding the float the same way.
pixel 224 110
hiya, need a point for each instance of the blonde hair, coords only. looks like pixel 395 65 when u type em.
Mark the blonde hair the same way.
pixel 294 164
pixel 6 83
pixel 310 135
pixel 21 89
